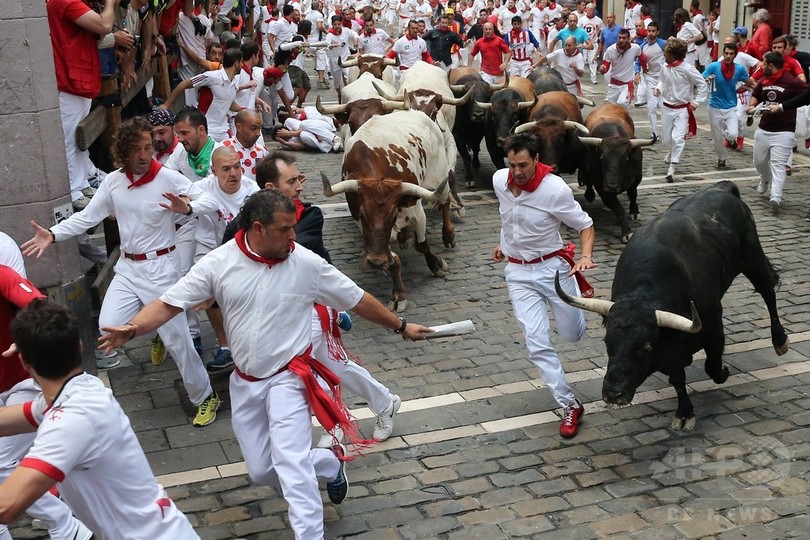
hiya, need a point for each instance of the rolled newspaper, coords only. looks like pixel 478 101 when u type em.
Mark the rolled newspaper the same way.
pixel 453 329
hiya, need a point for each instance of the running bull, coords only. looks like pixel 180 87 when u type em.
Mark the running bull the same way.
pixel 667 292
pixel 390 165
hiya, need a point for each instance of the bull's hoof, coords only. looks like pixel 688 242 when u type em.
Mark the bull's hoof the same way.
pixel 449 240
pixel 590 195
pixel 441 271
pixel 476 164
pixel 398 306
pixel 404 239
pixel 683 424
pixel 783 348
pixel 723 377
pixel 460 212
pixel 626 237
pixel 634 216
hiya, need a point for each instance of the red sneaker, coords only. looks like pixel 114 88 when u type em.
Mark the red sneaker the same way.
pixel 740 143
pixel 571 419
pixel 725 143
pixel 807 143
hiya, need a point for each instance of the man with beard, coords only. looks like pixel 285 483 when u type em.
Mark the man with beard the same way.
pixel 620 60
pixel 163 139
pixel 246 141
pixel 145 198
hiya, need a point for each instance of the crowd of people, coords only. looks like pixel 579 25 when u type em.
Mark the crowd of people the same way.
pixel 211 218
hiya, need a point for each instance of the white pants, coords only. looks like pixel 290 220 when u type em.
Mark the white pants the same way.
pixel 724 128
pixel 641 91
pixel 321 60
pixel 271 420
pixel 674 125
pixel 72 110
pixel 519 68
pixel 591 61
pixel 49 509
pixel 771 152
pixel 742 105
pixel 491 79
pixel 186 248
pixel 531 287
pixel 702 54
pixel 137 283
pixel 653 103
pixel 618 94
pixel 315 134
pixel 353 377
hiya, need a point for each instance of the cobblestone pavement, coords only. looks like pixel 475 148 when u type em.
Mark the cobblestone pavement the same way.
pixel 475 451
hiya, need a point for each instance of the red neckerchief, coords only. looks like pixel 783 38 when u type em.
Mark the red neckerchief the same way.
pixel 347 23
pixel 247 70
pixel 678 27
pixel 154 169
pixel 552 5
pixel 240 241
pixel 540 172
pixel 299 209
pixel 676 63
pixel 373 31
pixel 576 52
pixel 332 31
pixel 773 78
pixel 696 13
pixel 168 150
pixel 409 38
pixel 515 34
pixel 512 10
pixel 728 70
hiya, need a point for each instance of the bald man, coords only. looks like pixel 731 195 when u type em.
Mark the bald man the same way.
pixel 248 142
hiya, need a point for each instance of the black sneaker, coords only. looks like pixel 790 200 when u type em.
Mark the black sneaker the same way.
pixel 670 179
pixel 721 163
pixel 338 488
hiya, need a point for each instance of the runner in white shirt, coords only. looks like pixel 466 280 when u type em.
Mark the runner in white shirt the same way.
pixel 406 12
pixel 620 59
pixel 570 63
pixel 538 19
pixel 84 441
pixel 653 49
pixel 283 29
pixel 632 13
pixel 505 16
pixel 373 40
pixel 264 30
pixel 266 286
pixel 145 198
pixel 246 141
pixel 410 48
pixel 593 26
pixel 423 12
pixel 701 22
pixel 688 33
pixel 552 29
pixel 340 40
pixel 318 33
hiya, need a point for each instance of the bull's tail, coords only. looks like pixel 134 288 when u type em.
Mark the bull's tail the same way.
pixel 729 186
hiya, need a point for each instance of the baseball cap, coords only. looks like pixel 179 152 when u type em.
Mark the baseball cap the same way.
pixel 743 31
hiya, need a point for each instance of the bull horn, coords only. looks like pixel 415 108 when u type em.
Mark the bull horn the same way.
pixel 395 105
pixel 457 88
pixel 523 127
pixel 391 61
pixel 527 104
pixel 412 190
pixel 638 143
pixel 584 101
pixel 500 86
pixel 665 319
pixel 588 304
pixel 484 105
pixel 329 109
pixel 458 101
pixel 570 124
pixel 348 63
pixel 346 186
pixel 384 94
pixel 591 141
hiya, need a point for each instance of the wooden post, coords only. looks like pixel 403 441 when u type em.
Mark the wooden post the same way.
pixel 161 79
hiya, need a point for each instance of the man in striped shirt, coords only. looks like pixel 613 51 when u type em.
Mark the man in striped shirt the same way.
pixel 524 49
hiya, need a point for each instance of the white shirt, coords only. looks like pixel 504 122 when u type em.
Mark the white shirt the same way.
pixel 315 17
pixel 688 31
pixel 224 91
pixel 185 29
pixel 248 156
pixel 178 161
pixel 505 18
pixel 562 63
pixel 746 60
pixel 266 310
pixel 655 58
pixel 592 25
pixel 10 254
pixel 247 98
pixel 622 63
pixel 345 38
pixel 681 84
pixel 144 225
pixel 409 51
pixel 530 222
pixel 211 227
pixel 631 15
pixel 423 12
pixel 283 30
pixel 87 444
pixel 375 43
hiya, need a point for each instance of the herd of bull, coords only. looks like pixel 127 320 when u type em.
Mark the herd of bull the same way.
pixel 400 149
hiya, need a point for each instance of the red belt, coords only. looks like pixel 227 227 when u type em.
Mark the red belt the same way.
pixel 671 106
pixel 251 378
pixel 538 259
pixel 146 256
pixel 617 82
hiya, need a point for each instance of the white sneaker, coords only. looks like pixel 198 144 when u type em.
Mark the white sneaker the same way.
pixel 82 533
pixel 667 158
pixel 775 205
pixel 762 187
pixel 385 420
pixel 326 439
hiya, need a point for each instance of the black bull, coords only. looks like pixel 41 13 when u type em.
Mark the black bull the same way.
pixel 682 262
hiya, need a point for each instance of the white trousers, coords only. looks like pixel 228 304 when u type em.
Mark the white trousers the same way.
pixel 531 287
pixel 72 110
pixel 742 105
pixel 271 420
pixel 353 377
pixel 591 61
pixel 724 128
pixel 186 248
pixel 618 94
pixel 653 103
pixel 674 125
pixel 137 283
pixel 519 68
pixel 49 509
pixel 641 90
pixel 772 150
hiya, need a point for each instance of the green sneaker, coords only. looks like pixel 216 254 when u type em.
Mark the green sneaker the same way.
pixel 207 411
pixel 158 352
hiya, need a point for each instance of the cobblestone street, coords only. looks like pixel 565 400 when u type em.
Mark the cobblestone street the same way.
pixel 475 451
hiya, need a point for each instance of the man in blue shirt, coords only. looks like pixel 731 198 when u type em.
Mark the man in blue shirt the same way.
pixel 609 35
pixel 723 78
pixel 582 37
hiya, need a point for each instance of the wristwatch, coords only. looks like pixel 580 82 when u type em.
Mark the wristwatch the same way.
pixel 190 209
pixel 401 329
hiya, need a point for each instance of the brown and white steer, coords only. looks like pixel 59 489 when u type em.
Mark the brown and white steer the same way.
pixel 389 166
pixel 380 66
